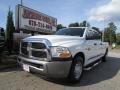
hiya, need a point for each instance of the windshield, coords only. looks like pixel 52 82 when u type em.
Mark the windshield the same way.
pixel 71 32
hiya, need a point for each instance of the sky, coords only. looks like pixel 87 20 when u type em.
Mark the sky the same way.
pixel 97 12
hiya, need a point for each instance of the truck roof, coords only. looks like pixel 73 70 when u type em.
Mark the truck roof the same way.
pixel 77 27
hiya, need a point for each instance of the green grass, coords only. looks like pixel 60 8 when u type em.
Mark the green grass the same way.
pixel 117 47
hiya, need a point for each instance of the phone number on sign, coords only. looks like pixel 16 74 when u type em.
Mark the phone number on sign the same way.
pixel 39 24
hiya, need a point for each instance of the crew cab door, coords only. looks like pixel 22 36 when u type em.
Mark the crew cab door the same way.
pixel 92 46
pixel 100 46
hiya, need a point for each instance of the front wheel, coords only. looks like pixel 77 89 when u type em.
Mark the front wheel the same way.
pixel 76 69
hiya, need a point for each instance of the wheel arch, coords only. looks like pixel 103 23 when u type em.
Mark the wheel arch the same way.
pixel 106 51
pixel 80 54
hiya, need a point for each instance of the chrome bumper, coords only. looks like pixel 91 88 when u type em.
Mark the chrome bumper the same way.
pixel 55 69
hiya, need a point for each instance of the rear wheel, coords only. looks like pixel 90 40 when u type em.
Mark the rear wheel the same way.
pixel 105 56
pixel 76 69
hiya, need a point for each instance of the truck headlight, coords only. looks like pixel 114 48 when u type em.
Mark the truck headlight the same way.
pixel 61 52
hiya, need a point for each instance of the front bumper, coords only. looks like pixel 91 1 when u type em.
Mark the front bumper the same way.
pixel 54 69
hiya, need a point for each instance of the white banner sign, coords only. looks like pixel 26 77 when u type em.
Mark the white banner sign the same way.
pixel 29 19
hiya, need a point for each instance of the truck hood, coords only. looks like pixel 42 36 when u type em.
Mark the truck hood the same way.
pixel 54 40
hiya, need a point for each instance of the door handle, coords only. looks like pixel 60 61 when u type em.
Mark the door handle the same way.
pixel 101 44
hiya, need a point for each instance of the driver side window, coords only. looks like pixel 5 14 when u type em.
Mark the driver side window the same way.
pixel 93 35
pixel 89 35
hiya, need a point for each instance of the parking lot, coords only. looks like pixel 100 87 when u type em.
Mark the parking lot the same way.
pixel 105 76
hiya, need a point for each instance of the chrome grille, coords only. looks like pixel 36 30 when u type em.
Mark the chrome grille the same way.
pixel 38 45
pixel 35 50
pixel 38 50
pixel 24 48
pixel 24 44
pixel 39 54
pixel 24 51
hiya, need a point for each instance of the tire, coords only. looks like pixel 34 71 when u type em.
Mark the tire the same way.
pixel 76 70
pixel 105 56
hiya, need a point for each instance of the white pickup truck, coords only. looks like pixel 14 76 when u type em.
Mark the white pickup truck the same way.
pixel 63 55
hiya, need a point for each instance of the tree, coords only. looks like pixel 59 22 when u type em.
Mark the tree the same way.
pixel 60 26
pixel 9 31
pixel 84 24
pixel 118 38
pixel 110 33
pixel 76 24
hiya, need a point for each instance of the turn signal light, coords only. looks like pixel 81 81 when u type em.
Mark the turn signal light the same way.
pixel 65 54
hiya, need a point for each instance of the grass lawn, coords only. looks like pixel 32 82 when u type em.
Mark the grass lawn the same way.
pixel 117 47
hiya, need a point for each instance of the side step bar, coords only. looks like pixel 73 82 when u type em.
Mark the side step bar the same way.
pixel 91 65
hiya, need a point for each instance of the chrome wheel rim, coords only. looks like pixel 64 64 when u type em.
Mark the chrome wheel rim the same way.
pixel 78 70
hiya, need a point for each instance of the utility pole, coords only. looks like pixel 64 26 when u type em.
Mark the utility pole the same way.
pixel 86 24
pixel 21 32
pixel 103 33
pixel 110 37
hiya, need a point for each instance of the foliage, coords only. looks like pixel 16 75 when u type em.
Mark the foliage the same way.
pixel 9 31
pixel 76 24
pixel 118 38
pixel 60 26
pixel 82 24
pixel 110 33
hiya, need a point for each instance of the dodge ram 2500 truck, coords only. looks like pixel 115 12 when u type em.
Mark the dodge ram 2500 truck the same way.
pixel 63 55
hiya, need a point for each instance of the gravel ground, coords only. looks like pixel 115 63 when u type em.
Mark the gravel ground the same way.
pixel 105 76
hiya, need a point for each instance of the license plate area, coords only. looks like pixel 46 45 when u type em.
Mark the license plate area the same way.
pixel 26 67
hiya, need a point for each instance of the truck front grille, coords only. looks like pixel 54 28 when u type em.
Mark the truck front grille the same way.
pixel 38 46
pixel 24 51
pixel 24 48
pixel 34 50
pixel 39 54
pixel 24 44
